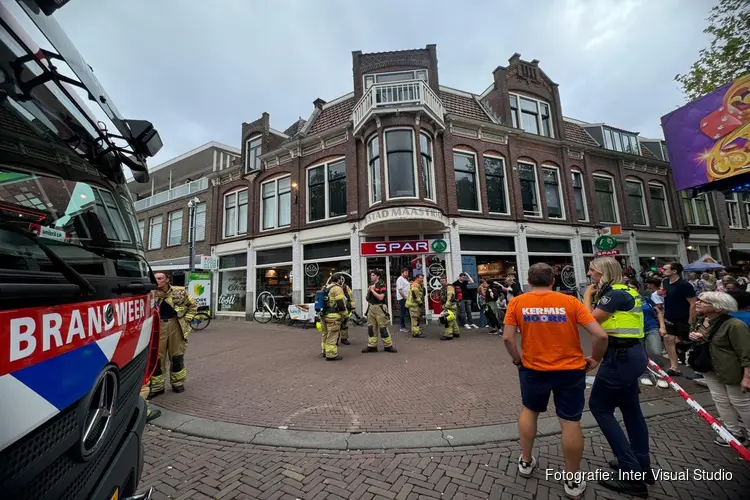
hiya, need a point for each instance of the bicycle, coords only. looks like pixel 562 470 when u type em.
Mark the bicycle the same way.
pixel 266 310
pixel 201 319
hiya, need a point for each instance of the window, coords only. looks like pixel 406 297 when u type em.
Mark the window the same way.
pixel 664 153
pixel 733 210
pixel 373 160
pixel 494 177
pixel 659 208
pixel 604 195
pixel 579 195
pixel 428 172
pixel 326 190
pixel 252 153
pixel 531 115
pixel 746 203
pixel 276 206
pixel 636 202
pixel 529 189
pixel 142 229
pixel 399 146
pixel 621 141
pixel 200 221
pixel 696 209
pixel 154 232
pixel 174 228
pixel 401 76
pixel 553 192
pixel 465 166
pixel 235 213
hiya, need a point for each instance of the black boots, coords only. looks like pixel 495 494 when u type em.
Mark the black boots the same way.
pixel 635 488
pixel 390 349
pixel 337 358
pixel 154 394
pixel 345 341
pixel 178 388
pixel 370 349
pixel 648 478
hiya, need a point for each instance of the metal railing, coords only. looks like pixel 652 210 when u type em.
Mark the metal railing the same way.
pixel 381 96
pixel 172 194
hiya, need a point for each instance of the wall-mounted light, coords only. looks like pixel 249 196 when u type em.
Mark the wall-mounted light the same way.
pixel 295 187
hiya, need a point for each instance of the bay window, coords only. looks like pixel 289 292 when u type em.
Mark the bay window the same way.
pixel 174 228
pixel 276 203
pixel 326 190
pixel 400 172
pixel 465 166
pixel 532 115
pixel 733 210
pixel 428 172
pixel 154 232
pixel 494 177
pixel 529 189
pixel 579 195
pixel 235 213
pixel 553 192
pixel 373 171
pixel 636 202
pixel 606 201
pixel 660 209
pixel 696 209
pixel 252 154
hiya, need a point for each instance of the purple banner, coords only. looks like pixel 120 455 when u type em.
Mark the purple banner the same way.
pixel 709 139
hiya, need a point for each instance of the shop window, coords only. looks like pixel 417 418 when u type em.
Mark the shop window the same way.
pixel 428 167
pixel 232 291
pixel 696 209
pixel 174 228
pixel 481 243
pixel 326 250
pixel 659 207
pixel 733 210
pixel 273 256
pixel 252 154
pixel 235 213
pixel 276 205
pixel 636 202
pixel 317 275
pixel 587 246
pixel 400 172
pixel 373 171
pixel 326 190
pixel 276 280
pixel 580 196
pixel 529 189
pixel 154 232
pixel 553 192
pixel 532 115
pixel 497 187
pixel 606 201
pixel 547 245
pixel 234 260
pixel 465 166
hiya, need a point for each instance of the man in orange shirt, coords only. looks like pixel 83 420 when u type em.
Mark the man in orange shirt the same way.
pixel 552 362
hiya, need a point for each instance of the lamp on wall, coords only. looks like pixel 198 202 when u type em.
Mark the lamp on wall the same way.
pixel 295 187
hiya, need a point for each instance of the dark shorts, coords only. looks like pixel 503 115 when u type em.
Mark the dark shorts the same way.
pixel 568 388
pixel 680 329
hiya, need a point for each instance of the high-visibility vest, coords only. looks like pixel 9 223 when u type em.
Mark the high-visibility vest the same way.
pixel 626 324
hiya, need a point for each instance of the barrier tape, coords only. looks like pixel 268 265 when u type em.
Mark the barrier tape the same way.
pixel 715 425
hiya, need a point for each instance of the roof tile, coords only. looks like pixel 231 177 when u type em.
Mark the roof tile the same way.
pixel 333 116
pixel 576 133
pixel 295 127
pixel 464 106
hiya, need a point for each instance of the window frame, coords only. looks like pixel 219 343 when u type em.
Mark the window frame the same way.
pixel 275 180
pixel 151 230
pixel 466 152
pixel 384 157
pixel 573 172
pixel 746 205
pixel 611 179
pixel 236 207
pixel 142 229
pixel 685 196
pixel 195 214
pixel 431 159
pixel 736 203
pixel 169 226
pixel 371 177
pixel 665 200
pixel 505 183
pixel 414 72
pixel 644 205
pixel 560 190
pixel 326 183
pixel 259 147
pixel 612 134
pixel 516 113
pixel 540 215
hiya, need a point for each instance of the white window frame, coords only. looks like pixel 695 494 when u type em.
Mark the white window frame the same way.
pixel 169 227
pixel 539 103
pixel 384 162
pixel 374 77
pixel 275 181
pixel 695 208
pixel 574 172
pixel 614 197
pixel 644 205
pixel 259 147
pixel 619 134
pixel 205 214
pixel 505 183
pixel 732 201
pixel 151 224
pixel 476 180
pixel 142 229
pixel 431 156
pixel 325 164
pixel 666 201
pixel 370 174
pixel 746 204
pixel 236 230
pixel 540 215
pixel 560 190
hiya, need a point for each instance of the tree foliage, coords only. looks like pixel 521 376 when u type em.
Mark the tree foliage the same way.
pixel 728 55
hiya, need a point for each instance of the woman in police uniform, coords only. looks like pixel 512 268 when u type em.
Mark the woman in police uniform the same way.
pixel 619 311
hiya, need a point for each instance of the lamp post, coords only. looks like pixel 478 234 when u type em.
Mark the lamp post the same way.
pixel 192 204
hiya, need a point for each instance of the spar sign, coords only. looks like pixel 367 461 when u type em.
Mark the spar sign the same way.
pixel 410 247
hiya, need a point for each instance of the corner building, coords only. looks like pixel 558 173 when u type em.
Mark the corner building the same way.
pixel 405 172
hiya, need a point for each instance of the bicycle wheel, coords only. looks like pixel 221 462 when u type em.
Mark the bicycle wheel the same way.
pixel 200 321
pixel 288 321
pixel 264 308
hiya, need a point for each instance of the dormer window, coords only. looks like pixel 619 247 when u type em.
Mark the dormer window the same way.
pixel 401 76
pixel 532 115
pixel 621 141
pixel 252 153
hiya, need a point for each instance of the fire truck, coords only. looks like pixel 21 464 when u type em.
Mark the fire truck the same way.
pixel 78 327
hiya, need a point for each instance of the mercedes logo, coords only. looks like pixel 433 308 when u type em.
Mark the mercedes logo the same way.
pixel 100 410
pixel 109 314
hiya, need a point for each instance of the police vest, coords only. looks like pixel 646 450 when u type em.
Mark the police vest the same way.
pixel 626 324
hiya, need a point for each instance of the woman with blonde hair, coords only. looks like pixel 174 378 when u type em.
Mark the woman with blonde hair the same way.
pixel 619 310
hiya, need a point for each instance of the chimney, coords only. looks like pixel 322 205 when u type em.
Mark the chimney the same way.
pixel 318 103
pixel 514 58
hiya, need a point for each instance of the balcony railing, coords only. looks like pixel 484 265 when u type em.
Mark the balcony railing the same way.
pixel 387 97
pixel 172 194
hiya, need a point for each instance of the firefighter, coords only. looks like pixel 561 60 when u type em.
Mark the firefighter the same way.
pixel 151 414
pixel 176 310
pixel 351 305
pixel 414 302
pixel 335 310
pixel 377 315
pixel 448 299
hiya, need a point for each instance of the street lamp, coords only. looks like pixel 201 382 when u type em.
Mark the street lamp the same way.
pixel 191 231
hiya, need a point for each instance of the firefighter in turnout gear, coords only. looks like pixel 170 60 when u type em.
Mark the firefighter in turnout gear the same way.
pixel 448 299
pixel 351 305
pixel 176 310
pixel 377 315
pixel 414 302
pixel 335 311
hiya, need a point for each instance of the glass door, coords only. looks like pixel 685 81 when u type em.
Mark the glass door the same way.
pixel 399 262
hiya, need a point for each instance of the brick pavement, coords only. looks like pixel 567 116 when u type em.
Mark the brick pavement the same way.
pixel 272 376
pixel 185 467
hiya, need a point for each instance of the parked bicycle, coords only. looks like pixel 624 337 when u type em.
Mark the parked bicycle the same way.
pixel 201 319
pixel 267 310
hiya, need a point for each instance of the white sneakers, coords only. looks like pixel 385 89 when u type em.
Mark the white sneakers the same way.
pixel 469 327
pixel 573 490
pixel 526 468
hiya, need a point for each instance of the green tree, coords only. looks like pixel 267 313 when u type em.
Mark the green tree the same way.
pixel 728 55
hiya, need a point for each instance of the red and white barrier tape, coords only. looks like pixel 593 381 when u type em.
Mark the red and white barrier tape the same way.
pixel 715 425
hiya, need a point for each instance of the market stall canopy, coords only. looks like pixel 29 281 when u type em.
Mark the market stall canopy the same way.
pixel 705 263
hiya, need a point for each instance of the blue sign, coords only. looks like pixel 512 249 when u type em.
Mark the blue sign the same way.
pixel 469 266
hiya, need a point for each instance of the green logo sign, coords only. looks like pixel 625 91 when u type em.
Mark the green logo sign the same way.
pixel 439 246
pixel 605 243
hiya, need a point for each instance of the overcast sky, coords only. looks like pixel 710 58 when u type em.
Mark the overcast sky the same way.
pixel 197 68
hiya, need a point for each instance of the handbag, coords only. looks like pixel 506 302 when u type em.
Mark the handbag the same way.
pixel 699 357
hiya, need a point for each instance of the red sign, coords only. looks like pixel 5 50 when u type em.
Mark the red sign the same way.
pixel 394 247
pixel 608 253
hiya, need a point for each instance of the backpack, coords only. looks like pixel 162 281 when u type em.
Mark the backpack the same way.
pixel 320 300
